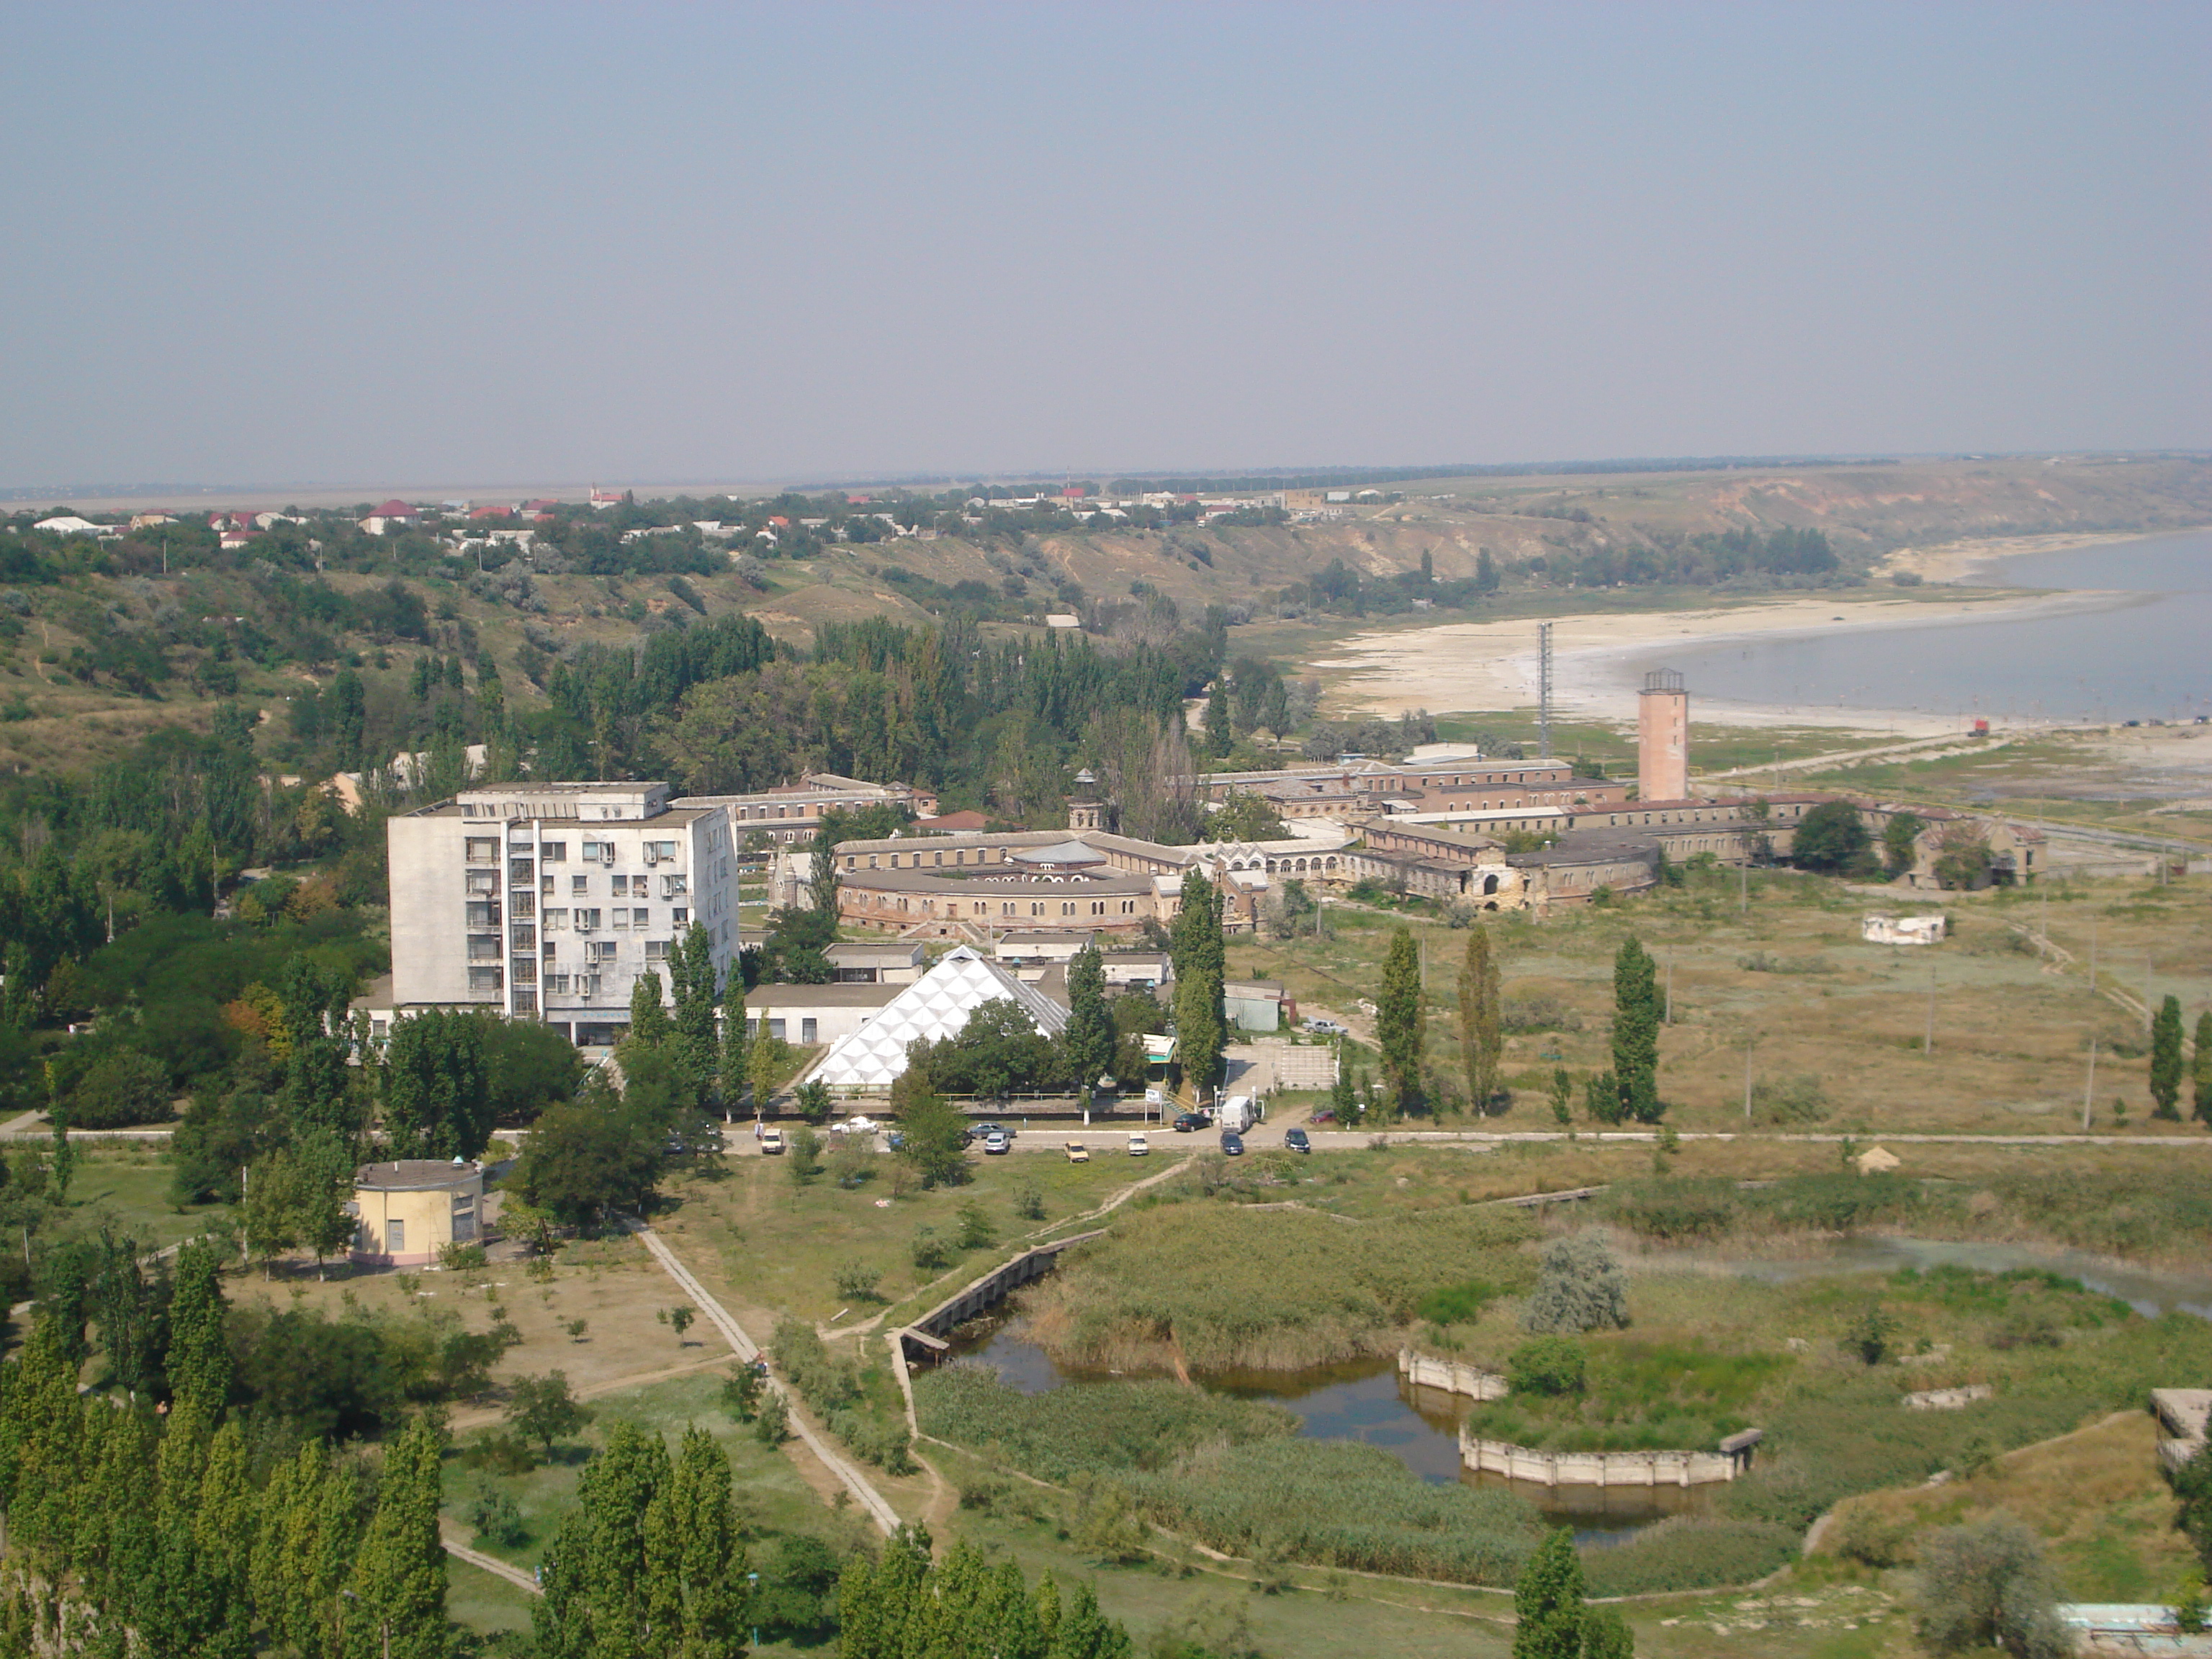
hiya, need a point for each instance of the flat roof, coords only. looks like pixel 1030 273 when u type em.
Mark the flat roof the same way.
pixel 820 996
pixel 409 1174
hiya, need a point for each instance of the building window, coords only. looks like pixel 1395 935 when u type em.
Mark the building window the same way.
pixel 661 850
pixel 557 985
pixel 482 849
pixel 485 979
pixel 521 873
pixel 526 1001
pixel 1128 907
pixel 578 886
pixel 525 970
pixel 523 907
pixel 1067 907
pixel 465 1220
pixel 656 950
pixel 554 851
pixel 587 922
pixel 484 947
pixel 395 1237
pixel 555 919
pixel 524 938
pixel 601 949
pixel 1036 907
pixel 680 916
pixel 482 912
pixel 806 1029
pixel 640 918
pixel 481 881
pixel 776 1028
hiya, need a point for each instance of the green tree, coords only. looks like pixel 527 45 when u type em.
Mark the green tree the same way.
pixel 1547 1601
pixel 590 1156
pixel 596 1575
pixel 326 1170
pixel 931 1128
pixel 1636 1016
pixel 694 1560
pixel 1897 839
pixel 1088 1039
pixel 691 982
pixel 528 1066
pixel 400 1578
pixel 541 1409
pixel 1829 839
pixel 2165 1063
pixel 1245 815
pixel 1220 738
pixel 1399 1023
pixel 121 1090
pixel 437 1096
pixel 1985 1585
pixel 1579 1287
pixel 767 1065
pixel 732 1073
pixel 198 1361
pixel 2200 1068
pixel 275 1196
pixel 1201 959
pixel 649 1024
pixel 1481 1028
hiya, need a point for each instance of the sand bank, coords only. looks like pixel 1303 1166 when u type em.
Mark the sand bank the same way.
pixel 1474 667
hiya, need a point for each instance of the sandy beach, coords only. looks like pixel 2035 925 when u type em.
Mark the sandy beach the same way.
pixel 1472 667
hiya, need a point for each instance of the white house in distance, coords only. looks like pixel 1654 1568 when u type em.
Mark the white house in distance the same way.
pixel 936 1005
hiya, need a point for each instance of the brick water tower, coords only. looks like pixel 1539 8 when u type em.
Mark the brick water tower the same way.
pixel 1663 737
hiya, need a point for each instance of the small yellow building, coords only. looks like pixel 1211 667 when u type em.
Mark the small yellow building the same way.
pixel 406 1210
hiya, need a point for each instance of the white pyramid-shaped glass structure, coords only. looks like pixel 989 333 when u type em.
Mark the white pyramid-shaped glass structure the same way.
pixel 935 1007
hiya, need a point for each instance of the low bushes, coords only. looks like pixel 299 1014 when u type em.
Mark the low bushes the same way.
pixel 1689 1553
pixel 1339 1504
pixel 1221 1287
pixel 1084 1428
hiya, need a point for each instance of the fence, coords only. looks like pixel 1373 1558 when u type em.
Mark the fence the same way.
pixel 1424 1372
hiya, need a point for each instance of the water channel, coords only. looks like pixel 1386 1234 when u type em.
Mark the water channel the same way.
pixel 1366 1401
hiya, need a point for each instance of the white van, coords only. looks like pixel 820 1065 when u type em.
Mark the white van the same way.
pixel 1236 1113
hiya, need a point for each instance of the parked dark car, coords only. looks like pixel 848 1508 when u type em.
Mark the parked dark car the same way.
pixel 1324 1116
pixel 1297 1141
pixel 1232 1144
pixel 985 1129
pixel 1189 1122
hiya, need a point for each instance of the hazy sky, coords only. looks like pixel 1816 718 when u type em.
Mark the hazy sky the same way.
pixel 477 243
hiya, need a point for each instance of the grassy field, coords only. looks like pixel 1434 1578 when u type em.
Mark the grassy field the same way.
pixel 1777 963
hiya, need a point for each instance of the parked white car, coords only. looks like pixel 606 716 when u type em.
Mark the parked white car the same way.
pixel 1138 1146
pixel 858 1125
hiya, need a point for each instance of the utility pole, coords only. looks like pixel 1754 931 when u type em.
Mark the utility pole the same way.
pixel 1543 690
pixel 1927 1044
pixel 2089 1089
pixel 1747 1044
pixel 2092 953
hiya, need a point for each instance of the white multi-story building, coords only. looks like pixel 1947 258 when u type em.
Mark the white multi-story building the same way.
pixel 546 900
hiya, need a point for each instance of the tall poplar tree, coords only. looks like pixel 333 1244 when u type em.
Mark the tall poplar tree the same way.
pixel 731 1074
pixel 694 1558
pixel 691 984
pixel 2200 1070
pixel 1481 1030
pixel 199 1360
pixel 399 1578
pixel 1635 1032
pixel 2165 1060
pixel 1397 1022
pixel 648 1015
pixel 1220 738
pixel 595 1602
pixel 1088 1036
pixel 1200 958
pixel 1547 1601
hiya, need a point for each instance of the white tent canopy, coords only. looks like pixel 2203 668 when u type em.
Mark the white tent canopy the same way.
pixel 935 1007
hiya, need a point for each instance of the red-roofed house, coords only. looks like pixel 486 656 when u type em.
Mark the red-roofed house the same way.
pixel 605 498
pixel 390 516
pixel 490 513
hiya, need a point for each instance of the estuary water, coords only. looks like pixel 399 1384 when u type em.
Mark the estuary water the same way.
pixel 2141 656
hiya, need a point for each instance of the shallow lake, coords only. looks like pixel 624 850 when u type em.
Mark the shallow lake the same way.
pixel 2139 660
pixel 1366 1401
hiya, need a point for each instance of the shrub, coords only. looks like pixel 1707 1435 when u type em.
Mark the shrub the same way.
pixel 856 1281
pixel 1456 1304
pixel 1690 1553
pixel 741 1394
pixel 119 1091
pixel 976 1232
pixel 496 1519
pixel 1029 1201
pixel 931 1254
pixel 461 1258
pixel 1866 1536
pixel 1549 1365
pixel 772 1423
pixel 1579 1287
pixel 1985 1585
pixel 1084 1428
pixel 1679 1207
pixel 1334 1504
pixel 825 1382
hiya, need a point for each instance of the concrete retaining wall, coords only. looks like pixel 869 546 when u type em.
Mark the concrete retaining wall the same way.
pixel 925 1339
pixel 1424 1372
pixel 1948 1400
pixel 1651 1469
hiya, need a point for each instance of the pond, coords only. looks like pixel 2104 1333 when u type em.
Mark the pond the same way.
pixel 1362 1400
pixel 1366 1401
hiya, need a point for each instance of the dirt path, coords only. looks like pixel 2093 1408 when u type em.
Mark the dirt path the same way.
pixel 497 1568
pixel 480 1417
pixel 806 1433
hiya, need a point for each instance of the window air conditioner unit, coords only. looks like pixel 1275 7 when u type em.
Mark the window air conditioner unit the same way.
pixel 587 928
pixel 607 852
pixel 651 857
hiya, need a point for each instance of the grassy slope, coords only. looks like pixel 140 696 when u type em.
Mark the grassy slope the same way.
pixel 62 723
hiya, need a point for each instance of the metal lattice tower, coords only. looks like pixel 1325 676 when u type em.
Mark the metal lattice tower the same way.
pixel 1543 690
